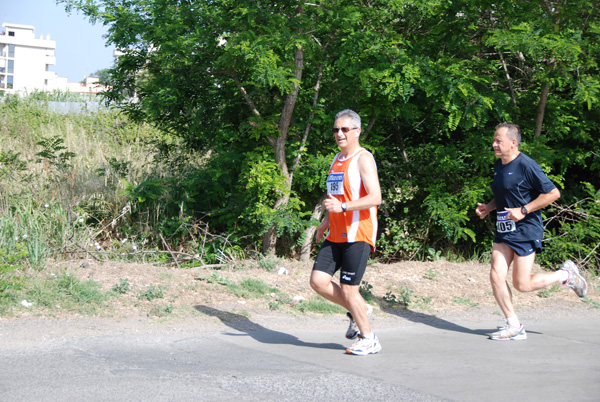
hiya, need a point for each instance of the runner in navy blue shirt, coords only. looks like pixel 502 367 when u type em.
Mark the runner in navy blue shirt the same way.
pixel 521 190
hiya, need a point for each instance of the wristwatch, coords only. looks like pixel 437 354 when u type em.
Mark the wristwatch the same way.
pixel 344 206
pixel 524 210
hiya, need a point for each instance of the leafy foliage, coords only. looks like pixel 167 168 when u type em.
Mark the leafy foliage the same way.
pixel 253 87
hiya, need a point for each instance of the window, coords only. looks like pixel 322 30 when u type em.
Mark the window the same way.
pixel 9 81
pixel 11 33
pixel 11 67
pixel 11 50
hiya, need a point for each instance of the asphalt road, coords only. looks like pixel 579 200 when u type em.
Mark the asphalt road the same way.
pixel 233 358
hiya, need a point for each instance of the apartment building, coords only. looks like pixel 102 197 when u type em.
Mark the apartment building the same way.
pixel 25 64
pixel 25 60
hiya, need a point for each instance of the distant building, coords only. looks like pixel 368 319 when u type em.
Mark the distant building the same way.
pixel 25 64
pixel 91 85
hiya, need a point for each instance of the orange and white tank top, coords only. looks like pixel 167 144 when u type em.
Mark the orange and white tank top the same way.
pixel 345 184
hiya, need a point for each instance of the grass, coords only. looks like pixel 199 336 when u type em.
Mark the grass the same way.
pixel 546 293
pixel 319 305
pixel 464 302
pixel 69 182
pixel 591 302
pixel 250 288
pixel 53 294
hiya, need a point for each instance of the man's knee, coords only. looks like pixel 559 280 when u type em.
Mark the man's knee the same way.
pixel 315 284
pixel 522 285
pixel 349 291
pixel 498 275
pixel 319 282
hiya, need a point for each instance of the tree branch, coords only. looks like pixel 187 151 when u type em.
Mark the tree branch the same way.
pixel 245 94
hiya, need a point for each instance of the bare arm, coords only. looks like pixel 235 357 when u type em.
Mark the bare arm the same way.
pixel 323 227
pixel 483 210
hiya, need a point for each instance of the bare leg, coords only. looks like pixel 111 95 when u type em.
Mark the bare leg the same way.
pixel 357 307
pixel 347 296
pixel 323 285
pixel 502 257
pixel 523 281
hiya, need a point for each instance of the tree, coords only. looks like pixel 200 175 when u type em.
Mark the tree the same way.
pixel 248 79
pixel 255 84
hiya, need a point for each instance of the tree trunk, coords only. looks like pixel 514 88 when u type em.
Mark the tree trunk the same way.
pixel 541 109
pixel 270 237
pixel 309 233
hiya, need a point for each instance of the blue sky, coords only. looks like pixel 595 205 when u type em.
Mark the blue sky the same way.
pixel 80 46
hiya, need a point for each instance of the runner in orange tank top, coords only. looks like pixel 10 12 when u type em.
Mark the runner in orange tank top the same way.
pixel 345 184
pixel 353 196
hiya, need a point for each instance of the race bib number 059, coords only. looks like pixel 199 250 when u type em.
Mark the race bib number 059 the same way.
pixel 335 184
pixel 504 224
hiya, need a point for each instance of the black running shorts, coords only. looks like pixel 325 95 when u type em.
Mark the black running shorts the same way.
pixel 350 258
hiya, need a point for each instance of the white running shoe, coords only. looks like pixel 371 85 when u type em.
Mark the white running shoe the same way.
pixel 575 281
pixel 364 346
pixel 509 333
pixel 353 331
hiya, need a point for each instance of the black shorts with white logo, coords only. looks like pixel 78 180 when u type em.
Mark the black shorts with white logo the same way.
pixel 349 258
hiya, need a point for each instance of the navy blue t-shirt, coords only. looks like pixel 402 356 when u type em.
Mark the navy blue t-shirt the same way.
pixel 515 184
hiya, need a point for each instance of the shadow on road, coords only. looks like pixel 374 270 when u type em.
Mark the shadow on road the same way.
pixel 264 335
pixel 436 322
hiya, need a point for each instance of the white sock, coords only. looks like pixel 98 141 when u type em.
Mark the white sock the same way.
pixel 513 321
pixel 564 275
pixel 369 336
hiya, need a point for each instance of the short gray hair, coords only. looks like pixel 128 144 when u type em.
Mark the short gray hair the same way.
pixel 513 131
pixel 350 113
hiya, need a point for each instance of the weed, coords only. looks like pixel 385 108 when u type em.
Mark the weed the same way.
pixel 546 293
pixel 592 303
pixel 366 291
pixel 54 153
pixel 274 305
pixel 430 274
pixel 403 300
pixel 161 311
pixel 281 299
pixel 319 305
pixel 269 263
pixel 464 302
pixel 252 288
pixel 433 255
pixel 152 292
pixel 215 278
pixel 122 287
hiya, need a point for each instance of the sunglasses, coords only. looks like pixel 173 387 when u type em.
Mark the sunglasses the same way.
pixel 344 129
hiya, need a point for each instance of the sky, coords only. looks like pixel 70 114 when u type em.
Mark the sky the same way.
pixel 80 47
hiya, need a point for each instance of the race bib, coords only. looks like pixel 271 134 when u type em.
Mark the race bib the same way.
pixel 504 224
pixel 335 184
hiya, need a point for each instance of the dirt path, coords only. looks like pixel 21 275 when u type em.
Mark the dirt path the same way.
pixel 437 288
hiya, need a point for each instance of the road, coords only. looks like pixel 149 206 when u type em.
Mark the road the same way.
pixel 228 357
